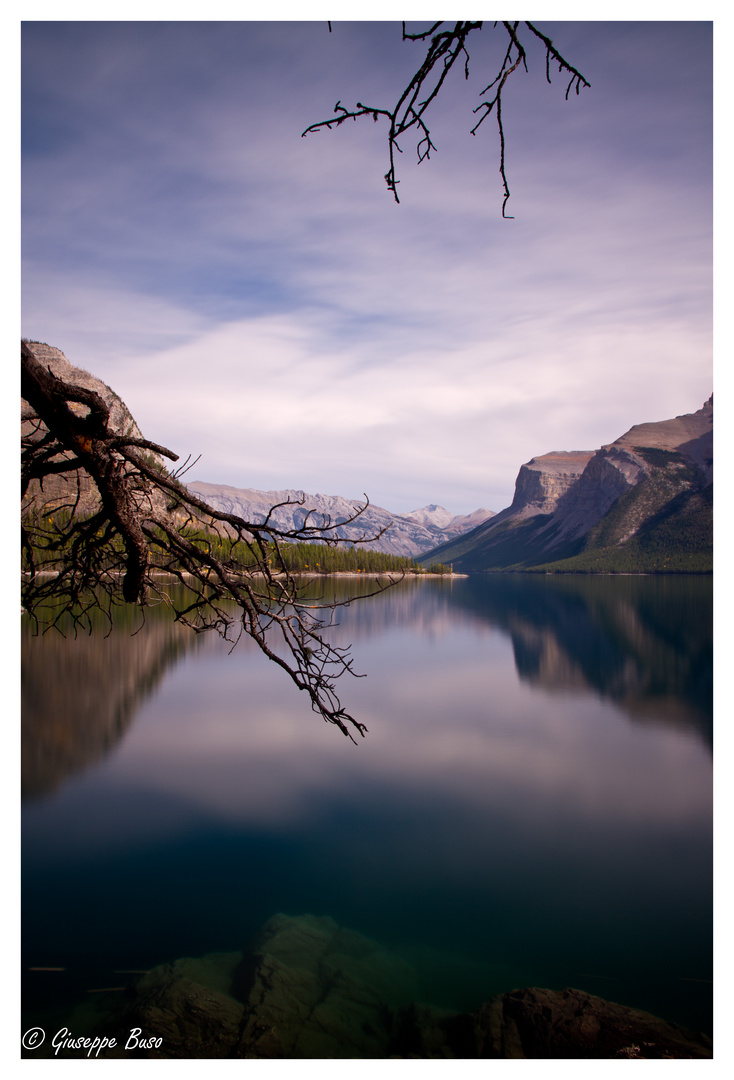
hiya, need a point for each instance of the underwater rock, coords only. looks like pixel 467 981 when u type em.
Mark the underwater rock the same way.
pixel 308 988
pixel 327 992
pixel 187 1005
pixel 536 1023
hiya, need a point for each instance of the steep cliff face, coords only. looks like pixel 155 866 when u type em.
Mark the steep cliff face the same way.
pixel 642 502
pixel 541 483
pixel 610 473
pixel 545 479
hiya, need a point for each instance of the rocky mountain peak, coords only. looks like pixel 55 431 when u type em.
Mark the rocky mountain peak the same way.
pixel 671 434
pixel 432 515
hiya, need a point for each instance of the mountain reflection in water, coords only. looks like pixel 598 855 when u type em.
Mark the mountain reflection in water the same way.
pixel 79 695
pixel 643 642
pixel 503 823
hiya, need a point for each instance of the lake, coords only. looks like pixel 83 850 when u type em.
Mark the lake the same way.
pixel 531 806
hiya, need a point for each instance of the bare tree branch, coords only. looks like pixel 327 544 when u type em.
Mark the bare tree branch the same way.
pixel 445 47
pixel 121 525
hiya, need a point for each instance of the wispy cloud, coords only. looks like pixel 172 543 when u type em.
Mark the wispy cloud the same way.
pixel 258 298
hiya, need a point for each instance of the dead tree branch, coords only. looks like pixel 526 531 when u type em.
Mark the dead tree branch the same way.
pixel 142 527
pixel 445 47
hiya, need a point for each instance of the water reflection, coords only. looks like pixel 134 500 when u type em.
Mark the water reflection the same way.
pixel 79 695
pixel 643 642
pixel 502 810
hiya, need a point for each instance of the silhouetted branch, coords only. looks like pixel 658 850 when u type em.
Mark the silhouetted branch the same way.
pixel 122 524
pixel 444 49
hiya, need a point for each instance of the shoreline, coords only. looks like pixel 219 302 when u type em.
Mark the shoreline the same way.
pixel 417 575
pixel 392 574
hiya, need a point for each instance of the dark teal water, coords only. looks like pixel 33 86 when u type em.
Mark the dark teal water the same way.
pixel 531 806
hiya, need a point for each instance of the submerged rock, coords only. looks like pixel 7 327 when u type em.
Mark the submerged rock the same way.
pixel 535 1023
pixel 311 989
pixel 308 989
pixel 326 991
pixel 187 1004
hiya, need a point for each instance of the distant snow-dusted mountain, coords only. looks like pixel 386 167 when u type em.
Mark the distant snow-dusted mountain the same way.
pixel 407 534
pixel 437 516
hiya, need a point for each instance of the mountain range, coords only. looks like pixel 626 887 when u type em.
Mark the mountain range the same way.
pixel 643 503
pixel 402 534
pixel 406 534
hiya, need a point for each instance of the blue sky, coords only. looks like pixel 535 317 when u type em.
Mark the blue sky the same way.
pixel 259 299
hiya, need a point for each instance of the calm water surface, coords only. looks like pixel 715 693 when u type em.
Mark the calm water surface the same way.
pixel 531 806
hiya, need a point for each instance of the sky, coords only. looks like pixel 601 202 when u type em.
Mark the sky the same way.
pixel 259 299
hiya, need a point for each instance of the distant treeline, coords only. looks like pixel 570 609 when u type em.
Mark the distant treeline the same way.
pixel 628 560
pixel 323 559
pixel 51 551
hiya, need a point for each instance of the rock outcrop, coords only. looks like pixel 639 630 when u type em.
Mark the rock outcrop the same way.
pixel 64 489
pixel 120 417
